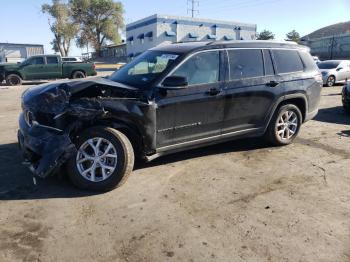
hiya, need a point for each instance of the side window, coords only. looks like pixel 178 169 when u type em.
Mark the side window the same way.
pixel 36 61
pixel 245 63
pixel 268 63
pixel 287 61
pixel 308 61
pixel 52 60
pixel 202 68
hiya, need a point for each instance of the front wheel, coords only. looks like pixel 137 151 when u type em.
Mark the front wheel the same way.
pixel 13 80
pixel 330 81
pixel 104 159
pixel 284 125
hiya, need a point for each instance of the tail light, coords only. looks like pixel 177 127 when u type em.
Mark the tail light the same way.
pixel 318 78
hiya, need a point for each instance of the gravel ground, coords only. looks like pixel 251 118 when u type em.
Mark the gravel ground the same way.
pixel 237 201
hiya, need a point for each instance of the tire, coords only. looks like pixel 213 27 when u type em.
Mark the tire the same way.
pixel 13 80
pixel 78 74
pixel 100 180
pixel 274 131
pixel 1 79
pixel 330 81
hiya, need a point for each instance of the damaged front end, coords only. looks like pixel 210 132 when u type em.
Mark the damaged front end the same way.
pixel 54 113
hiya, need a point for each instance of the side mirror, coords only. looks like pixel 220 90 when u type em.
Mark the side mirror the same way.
pixel 175 82
pixel 339 68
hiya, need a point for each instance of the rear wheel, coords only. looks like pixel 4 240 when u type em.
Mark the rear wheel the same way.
pixel 330 81
pixel 104 160
pixel 13 80
pixel 284 125
pixel 78 74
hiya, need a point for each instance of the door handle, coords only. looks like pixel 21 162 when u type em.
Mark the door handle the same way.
pixel 272 83
pixel 213 91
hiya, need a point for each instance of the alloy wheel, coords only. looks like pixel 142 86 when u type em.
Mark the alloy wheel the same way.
pixel 96 159
pixel 287 125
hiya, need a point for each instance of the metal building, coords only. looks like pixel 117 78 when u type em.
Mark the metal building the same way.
pixel 12 53
pixel 157 29
pixel 330 42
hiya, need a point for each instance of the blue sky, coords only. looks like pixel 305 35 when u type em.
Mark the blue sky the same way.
pixel 21 20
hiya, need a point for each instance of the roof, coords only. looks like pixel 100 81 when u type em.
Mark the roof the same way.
pixel 8 44
pixel 190 46
pixel 157 18
pixel 332 30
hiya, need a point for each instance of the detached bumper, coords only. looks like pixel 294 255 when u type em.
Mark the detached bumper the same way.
pixel 46 149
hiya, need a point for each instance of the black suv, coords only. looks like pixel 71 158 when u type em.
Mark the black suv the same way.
pixel 170 98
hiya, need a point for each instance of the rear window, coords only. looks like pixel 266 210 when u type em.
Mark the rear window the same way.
pixel 328 65
pixel 52 60
pixel 245 63
pixel 287 61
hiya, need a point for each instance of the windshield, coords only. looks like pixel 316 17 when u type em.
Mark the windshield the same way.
pixel 144 69
pixel 328 65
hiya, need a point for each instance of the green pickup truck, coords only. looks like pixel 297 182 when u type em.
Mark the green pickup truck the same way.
pixel 44 67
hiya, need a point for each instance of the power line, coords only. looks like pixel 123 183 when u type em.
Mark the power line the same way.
pixel 192 9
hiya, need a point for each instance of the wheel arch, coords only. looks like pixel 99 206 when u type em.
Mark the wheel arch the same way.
pixel 298 100
pixel 129 129
pixel 13 72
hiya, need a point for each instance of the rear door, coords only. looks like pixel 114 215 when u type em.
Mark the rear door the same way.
pixel 250 91
pixel 53 67
pixel 194 113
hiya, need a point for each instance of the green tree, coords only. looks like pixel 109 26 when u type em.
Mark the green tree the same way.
pixel 99 21
pixel 61 25
pixel 293 36
pixel 265 35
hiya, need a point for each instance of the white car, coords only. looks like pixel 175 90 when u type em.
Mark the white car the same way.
pixel 334 71
pixel 71 59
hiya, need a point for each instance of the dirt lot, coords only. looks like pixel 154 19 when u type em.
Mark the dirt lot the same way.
pixel 238 201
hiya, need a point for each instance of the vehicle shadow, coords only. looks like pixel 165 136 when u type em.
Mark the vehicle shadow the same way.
pixel 241 145
pixel 17 181
pixel 4 85
pixel 335 115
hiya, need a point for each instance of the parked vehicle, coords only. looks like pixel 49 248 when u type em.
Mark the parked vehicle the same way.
pixel 44 67
pixel 346 97
pixel 316 59
pixel 334 71
pixel 170 98
pixel 71 59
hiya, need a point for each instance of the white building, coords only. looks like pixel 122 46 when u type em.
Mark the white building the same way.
pixel 154 30
pixel 10 52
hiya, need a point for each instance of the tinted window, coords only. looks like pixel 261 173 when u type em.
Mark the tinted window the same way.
pixel 36 61
pixel 202 68
pixel 144 69
pixel 245 63
pixel 308 61
pixel 52 60
pixel 328 65
pixel 287 61
pixel 268 63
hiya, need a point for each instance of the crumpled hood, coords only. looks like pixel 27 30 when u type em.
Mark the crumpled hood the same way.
pixel 55 97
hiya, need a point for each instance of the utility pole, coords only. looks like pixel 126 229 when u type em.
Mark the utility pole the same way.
pixel 192 8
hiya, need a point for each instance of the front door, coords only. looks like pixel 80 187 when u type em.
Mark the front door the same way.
pixel 34 68
pixel 195 112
